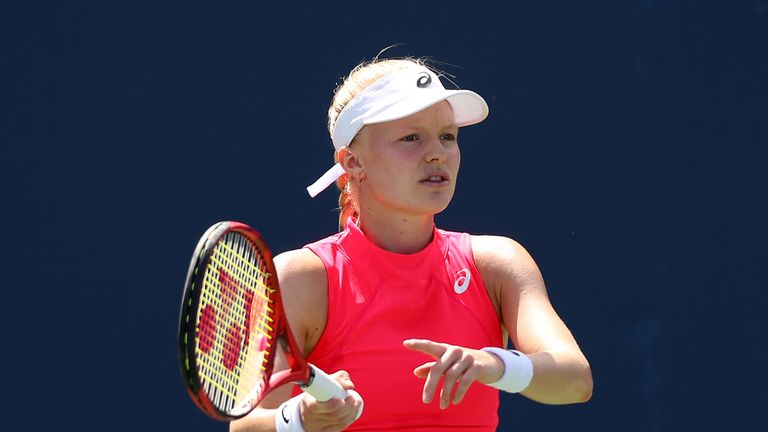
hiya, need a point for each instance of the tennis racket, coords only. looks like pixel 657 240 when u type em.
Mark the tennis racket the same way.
pixel 232 324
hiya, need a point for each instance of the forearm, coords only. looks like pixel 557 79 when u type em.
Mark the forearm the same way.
pixel 259 420
pixel 559 378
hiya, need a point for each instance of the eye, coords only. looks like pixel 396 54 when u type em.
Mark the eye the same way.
pixel 448 137
pixel 410 138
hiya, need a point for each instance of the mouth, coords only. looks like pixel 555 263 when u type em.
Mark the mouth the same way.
pixel 435 179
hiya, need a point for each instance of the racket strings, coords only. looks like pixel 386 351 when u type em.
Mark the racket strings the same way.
pixel 227 363
pixel 234 340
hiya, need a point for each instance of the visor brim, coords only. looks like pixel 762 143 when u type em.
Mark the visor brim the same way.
pixel 468 107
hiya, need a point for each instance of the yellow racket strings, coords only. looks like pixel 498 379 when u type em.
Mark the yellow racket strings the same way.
pixel 235 287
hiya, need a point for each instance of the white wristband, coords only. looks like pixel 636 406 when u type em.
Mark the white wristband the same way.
pixel 518 370
pixel 288 416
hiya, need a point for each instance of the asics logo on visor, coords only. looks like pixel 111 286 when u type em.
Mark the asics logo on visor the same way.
pixel 424 80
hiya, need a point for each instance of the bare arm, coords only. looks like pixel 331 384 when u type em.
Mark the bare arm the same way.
pixel 304 292
pixel 561 371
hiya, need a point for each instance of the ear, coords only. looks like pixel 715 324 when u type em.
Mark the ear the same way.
pixel 350 162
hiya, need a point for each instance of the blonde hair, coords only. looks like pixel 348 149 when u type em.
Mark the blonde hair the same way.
pixel 361 77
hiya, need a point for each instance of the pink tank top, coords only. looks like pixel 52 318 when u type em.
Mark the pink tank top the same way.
pixel 377 299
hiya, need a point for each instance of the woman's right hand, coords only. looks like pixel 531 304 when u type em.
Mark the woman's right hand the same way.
pixel 332 415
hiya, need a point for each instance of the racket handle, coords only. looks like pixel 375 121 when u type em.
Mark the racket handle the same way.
pixel 322 387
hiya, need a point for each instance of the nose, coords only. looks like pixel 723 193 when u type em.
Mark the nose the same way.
pixel 436 152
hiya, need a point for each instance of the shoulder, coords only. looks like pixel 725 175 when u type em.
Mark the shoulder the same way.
pixel 298 265
pixel 303 285
pixel 508 270
pixel 301 274
pixel 503 257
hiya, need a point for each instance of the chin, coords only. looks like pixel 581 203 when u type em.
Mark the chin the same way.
pixel 435 206
pixel 420 204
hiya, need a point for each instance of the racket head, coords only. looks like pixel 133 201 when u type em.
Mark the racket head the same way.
pixel 230 321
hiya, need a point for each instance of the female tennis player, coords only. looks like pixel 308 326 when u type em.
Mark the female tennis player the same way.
pixel 414 318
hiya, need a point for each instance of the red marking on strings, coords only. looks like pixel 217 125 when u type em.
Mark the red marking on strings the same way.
pixel 207 328
pixel 229 288
pixel 232 345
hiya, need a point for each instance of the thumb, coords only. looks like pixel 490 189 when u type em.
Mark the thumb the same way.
pixel 342 377
pixel 423 370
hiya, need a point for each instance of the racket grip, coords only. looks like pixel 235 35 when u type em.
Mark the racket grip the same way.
pixel 322 387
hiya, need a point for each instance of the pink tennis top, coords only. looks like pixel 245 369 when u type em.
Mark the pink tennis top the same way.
pixel 377 299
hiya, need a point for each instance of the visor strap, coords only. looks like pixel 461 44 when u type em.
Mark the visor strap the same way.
pixel 325 180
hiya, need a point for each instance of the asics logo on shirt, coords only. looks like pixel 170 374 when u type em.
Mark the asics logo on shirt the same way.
pixel 462 281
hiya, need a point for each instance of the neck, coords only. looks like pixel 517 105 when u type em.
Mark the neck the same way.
pixel 397 233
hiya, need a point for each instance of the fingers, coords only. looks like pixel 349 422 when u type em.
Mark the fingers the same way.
pixel 467 378
pixel 435 349
pixel 423 370
pixel 455 367
pixel 451 367
pixel 331 415
pixel 327 408
pixel 342 377
pixel 334 414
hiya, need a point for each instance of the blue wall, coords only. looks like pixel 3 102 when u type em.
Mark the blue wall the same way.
pixel 626 149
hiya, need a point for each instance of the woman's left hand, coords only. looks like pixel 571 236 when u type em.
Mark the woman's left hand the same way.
pixel 458 366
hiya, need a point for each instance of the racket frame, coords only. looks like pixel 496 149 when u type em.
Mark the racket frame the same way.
pixel 311 379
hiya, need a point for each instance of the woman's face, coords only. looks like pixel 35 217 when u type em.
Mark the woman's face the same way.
pixel 411 164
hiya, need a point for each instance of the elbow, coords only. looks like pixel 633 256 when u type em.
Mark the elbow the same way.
pixel 577 389
pixel 583 388
pixel 564 383
pixel 585 395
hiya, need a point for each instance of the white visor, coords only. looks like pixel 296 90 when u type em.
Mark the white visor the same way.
pixel 395 96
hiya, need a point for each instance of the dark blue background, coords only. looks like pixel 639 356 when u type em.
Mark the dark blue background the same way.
pixel 626 149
